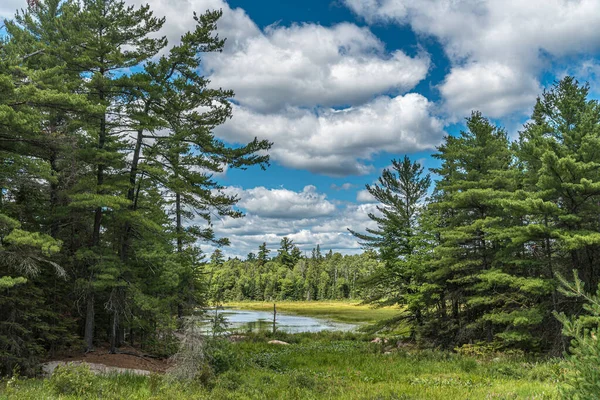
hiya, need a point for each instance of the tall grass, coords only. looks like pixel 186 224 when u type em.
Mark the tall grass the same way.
pixel 330 366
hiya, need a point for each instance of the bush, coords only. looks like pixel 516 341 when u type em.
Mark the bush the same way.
pixel 220 355
pixel 230 381
pixel 74 380
pixel 581 378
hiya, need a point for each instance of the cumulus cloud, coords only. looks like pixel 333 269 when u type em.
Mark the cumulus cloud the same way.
pixel 340 142
pixel 494 42
pixel 327 226
pixel 330 98
pixel 495 89
pixel 284 203
pixel 299 65
pixel 363 196
pixel 308 64
pixel 291 81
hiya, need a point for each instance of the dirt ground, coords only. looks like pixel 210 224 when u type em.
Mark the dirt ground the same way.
pixel 119 360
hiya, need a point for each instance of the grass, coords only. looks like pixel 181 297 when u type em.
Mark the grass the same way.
pixel 338 311
pixel 323 366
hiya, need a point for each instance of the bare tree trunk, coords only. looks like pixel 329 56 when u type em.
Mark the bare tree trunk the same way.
pixel 89 323
pixel 113 332
pixel 179 230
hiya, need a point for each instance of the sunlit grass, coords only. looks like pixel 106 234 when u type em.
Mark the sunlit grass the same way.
pixel 339 311
pixel 332 366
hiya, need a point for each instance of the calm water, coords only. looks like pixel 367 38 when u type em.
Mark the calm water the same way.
pixel 247 320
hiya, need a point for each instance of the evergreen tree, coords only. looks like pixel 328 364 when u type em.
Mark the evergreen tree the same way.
pixel 263 254
pixel 401 191
pixel 285 252
pixel 472 180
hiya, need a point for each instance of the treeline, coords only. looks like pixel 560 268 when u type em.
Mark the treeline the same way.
pixel 106 163
pixel 290 275
pixel 476 258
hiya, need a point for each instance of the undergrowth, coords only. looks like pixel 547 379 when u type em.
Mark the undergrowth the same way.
pixel 316 366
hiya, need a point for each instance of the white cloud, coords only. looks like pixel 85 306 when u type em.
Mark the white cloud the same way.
pixel 300 65
pixel 291 80
pixel 363 196
pixel 343 186
pixel 340 142
pixel 235 25
pixel 328 227
pixel 494 89
pixel 284 203
pixel 9 7
pixel 307 65
pixel 494 42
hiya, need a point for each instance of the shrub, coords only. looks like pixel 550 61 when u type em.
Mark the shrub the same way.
pixel 220 355
pixel 230 381
pixel 582 378
pixel 74 380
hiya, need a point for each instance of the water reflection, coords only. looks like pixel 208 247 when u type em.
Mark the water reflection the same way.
pixel 256 321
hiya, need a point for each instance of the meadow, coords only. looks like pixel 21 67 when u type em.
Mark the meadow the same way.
pixel 318 366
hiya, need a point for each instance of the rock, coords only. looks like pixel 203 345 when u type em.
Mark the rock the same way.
pixel 98 369
pixel 279 342
pixel 377 340
pixel 402 344
pixel 236 338
pixel 387 352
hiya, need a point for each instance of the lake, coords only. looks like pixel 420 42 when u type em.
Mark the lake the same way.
pixel 249 320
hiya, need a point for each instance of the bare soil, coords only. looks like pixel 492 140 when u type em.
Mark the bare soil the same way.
pixel 129 361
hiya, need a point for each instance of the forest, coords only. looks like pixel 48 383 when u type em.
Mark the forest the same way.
pixel 108 187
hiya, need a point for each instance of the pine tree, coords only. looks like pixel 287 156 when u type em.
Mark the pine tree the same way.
pixel 263 254
pixel 472 180
pixel 559 203
pixel 285 251
pixel 402 192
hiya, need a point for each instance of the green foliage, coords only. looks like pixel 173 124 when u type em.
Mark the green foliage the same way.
pixel 322 367
pixel 581 378
pixel 74 380
pixel 478 260
pixel 100 216
pixel 289 276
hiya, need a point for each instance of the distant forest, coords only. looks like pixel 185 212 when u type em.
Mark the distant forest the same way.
pixel 289 275
pixel 106 191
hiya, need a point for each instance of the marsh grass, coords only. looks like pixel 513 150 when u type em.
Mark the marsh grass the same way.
pixel 327 366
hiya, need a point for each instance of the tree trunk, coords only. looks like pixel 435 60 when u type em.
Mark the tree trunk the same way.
pixel 178 230
pixel 89 323
pixel 113 332
pixel 54 224
pixel 90 314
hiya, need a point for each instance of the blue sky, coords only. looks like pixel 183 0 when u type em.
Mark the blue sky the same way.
pixel 343 86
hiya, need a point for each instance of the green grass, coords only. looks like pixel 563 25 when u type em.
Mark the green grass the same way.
pixel 339 311
pixel 326 366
